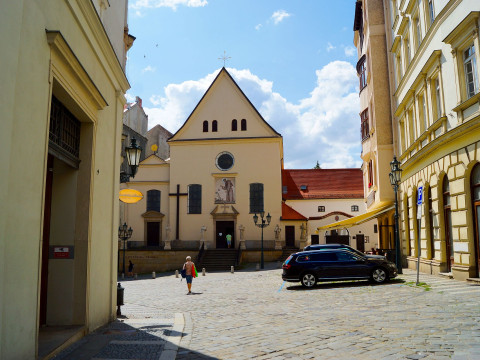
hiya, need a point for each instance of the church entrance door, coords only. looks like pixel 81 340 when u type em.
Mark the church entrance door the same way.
pixel 224 228
pixel 290 236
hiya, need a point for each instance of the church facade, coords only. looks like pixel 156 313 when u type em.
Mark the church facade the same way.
pixel 225 166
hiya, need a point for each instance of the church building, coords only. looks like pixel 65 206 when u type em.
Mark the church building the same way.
pixel 225 166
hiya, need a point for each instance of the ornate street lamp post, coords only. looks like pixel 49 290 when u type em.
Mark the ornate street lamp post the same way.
pixel 133 153
pixel 124 233
pixel 395 177
pixel 262 225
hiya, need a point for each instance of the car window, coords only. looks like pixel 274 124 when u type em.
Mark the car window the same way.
pixel 346 256
pixel 324 256
pixel 303 258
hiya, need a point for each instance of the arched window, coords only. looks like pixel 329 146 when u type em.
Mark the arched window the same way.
pixel 244 125
pixel 153 200
pixel 447 218
pixel 205 126
pixel 431 215
pixel 234 125
pixel 475 183
pixel 214 126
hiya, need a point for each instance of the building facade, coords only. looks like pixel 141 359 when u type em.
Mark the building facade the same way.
pixel 62 99
pixel 434 80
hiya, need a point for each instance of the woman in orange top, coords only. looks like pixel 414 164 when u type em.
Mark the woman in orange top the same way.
pixel 190 273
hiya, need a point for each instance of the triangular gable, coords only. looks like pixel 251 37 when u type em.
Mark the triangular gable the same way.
pixel 289 213
pixel 224 101
pixel 153 160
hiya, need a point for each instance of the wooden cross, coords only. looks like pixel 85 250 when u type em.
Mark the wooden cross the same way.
pixel 224 57
pixel 177 225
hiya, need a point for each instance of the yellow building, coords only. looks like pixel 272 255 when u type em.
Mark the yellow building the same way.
pixel 225 165
pixel 434 56
pixel 62 99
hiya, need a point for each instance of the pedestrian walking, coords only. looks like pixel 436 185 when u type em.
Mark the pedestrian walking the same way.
pixel 229 240
pixel 190 273
pixel 130 268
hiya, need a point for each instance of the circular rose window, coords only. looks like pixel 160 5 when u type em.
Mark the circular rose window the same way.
pixel 224 161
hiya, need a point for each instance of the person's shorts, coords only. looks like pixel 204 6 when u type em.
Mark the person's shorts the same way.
pixel 189 279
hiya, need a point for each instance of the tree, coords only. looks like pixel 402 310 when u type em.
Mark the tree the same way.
pixel 317 166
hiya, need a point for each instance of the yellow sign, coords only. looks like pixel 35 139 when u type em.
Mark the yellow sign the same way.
pixel 154 147
pixel 130 196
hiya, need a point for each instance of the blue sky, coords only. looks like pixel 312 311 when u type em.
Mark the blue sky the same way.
pixel 293 59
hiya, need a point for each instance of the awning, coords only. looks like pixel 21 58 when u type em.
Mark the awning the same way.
pixel 377 210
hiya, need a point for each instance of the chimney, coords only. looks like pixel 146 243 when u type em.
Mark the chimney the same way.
pixel 138 100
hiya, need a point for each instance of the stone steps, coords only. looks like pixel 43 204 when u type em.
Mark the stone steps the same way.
pixel 218 259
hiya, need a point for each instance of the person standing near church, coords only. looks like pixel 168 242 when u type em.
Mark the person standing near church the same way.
pixel 190 272
pixel 229 240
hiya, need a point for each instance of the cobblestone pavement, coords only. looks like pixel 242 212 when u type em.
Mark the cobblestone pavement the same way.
pixel 253 314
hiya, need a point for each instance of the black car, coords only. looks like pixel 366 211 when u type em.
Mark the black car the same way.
pixel 331 246
pixel 309 267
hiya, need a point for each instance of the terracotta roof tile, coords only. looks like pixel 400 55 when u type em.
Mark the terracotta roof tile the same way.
pixel 290 214
pixel 322 184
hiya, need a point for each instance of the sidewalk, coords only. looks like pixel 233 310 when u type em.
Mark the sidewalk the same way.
pixel 147 338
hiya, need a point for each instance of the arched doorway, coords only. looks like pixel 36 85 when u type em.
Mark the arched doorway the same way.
pixel 475 185
pixel 447 216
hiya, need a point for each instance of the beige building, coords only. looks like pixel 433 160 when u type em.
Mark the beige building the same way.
pixel 62 97
pixel 316 198
pixel 434 56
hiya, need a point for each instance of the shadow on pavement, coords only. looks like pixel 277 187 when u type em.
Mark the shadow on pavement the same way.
pixel 343 284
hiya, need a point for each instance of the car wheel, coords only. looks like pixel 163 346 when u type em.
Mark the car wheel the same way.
pixel 379 276
pixel 309 280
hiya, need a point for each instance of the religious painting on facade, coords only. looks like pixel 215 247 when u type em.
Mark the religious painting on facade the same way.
pixel 225 191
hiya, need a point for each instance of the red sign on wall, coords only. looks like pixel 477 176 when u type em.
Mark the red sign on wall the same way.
pixel 61 252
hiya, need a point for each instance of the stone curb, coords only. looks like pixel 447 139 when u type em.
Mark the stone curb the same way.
pixel 172 342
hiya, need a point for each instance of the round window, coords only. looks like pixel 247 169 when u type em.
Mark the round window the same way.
pixel 224 161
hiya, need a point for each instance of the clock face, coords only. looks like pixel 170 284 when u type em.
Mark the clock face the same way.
pixel 224 161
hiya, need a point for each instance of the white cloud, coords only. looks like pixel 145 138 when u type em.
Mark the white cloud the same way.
pixel 148 69
pixel 279 15
pixel 145 4
pixel 350 51
pixel 258 27
pixel 330 47
pixel 129 97
pixel 324 126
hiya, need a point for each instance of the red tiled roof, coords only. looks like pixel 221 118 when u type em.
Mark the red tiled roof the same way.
pixel 322 184
pixel 290 214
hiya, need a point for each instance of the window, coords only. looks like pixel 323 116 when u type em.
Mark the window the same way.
pixel 324 256
pixel 364 124
pixel 243 125
pixel 256 198
pixel 422 113
pixel 418 31
pixel 362 72
pixel 408 54
pixel 470 69
pixel 224 161
pixel 354 208
pixel 214 126
pixel 431 11
pixel 411 126
pixel 346 256
pixel 370 174
pixel 303 187
pixel 153 200
pixel 321 209
pixel 195 199
pixel 205 126
pixel 234 125
pixel 436 100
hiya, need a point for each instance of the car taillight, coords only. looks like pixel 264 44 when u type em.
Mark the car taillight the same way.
pixel 286 266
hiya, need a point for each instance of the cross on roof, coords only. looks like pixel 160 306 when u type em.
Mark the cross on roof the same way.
pixel 224 57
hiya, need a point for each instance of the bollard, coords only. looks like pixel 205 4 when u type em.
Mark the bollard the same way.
pixel 135 276
pixel 203 271
pixel 153 274
pixel 257 267
pixel 231 269
pixel 123 276
pixel 176 274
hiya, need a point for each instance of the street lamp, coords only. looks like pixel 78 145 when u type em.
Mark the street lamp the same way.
pixel 124 233
pixel 133 153
pixel 262 225
pixel 395 177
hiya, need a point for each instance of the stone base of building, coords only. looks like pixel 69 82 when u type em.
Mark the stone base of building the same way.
pixel 434 267
pixel 463 272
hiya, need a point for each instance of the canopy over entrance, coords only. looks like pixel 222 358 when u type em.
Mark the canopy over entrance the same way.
pixel 377 210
